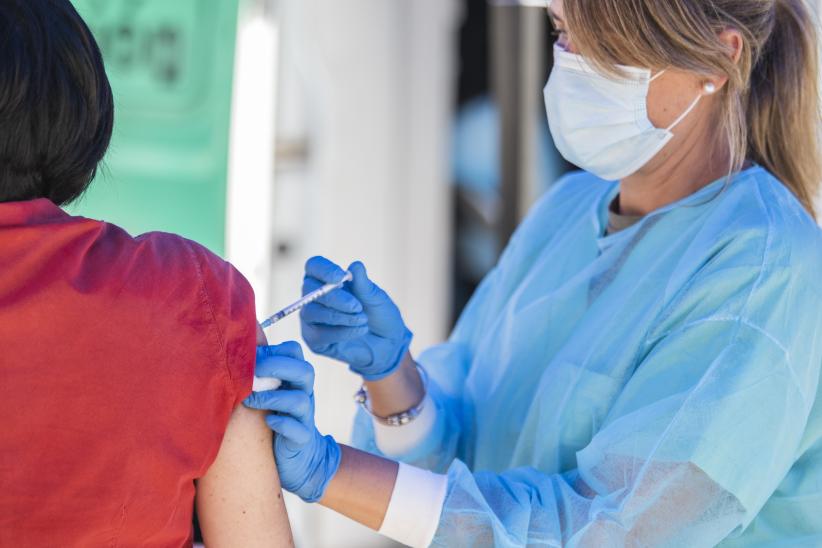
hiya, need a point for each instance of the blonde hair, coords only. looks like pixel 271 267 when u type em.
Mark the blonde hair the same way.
pixel 770 106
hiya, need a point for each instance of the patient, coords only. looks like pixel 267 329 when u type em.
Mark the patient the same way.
pixel 123 361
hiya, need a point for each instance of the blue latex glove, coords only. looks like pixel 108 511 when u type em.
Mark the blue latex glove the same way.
pixel 358 324
pixel 306 460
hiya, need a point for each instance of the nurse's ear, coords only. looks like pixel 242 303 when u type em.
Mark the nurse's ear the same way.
pixel 734 43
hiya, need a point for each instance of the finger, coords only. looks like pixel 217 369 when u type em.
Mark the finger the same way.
pixel 317 314
pixel 357 353
pixel 317 346
pixel 339 299
pixel 290 349
pixel 324 270
pixel 290 429
pixel 366 291
pixel 326 336
pixel 297 373
pixel 295 403
pixel 253 401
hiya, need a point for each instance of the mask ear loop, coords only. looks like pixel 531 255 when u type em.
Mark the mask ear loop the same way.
pixel 708 89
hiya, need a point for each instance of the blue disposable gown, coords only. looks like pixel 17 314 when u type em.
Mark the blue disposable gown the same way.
pixel 655 387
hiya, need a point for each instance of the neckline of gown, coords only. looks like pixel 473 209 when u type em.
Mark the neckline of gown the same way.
pixel 600 210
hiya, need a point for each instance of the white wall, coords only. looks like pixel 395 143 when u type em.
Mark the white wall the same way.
pixel 249 216
pixel 366 91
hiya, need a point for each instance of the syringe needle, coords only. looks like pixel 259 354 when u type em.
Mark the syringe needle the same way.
pixel 308 299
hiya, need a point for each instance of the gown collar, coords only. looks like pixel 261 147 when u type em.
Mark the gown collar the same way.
pixel 697 200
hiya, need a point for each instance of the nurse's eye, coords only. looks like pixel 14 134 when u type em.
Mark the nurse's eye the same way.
pixel 560 38
pixel 557 30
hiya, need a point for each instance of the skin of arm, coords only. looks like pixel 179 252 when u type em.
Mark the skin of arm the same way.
pixel 239 500
pixel 362 488
pixel 398 392
pixel 364 484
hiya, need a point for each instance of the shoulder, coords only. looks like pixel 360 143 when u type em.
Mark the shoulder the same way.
pixel 574 197
pixel 172 259
pixel 754 257
pixel 197 277
pixel 570 205
pixel 206 293
pixel 183 325
pixel 577 190
pixel 142 257
pixel 786 218
pixel 172 250
pixel 158 272
pixel 764 217
pixel 169 262
pixel 224 286
pixel 154 263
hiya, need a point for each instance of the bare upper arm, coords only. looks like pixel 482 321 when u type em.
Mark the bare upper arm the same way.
pixel 239 500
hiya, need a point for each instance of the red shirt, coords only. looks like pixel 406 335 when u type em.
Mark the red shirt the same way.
pixel 121 360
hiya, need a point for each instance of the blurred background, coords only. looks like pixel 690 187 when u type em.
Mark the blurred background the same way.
pixel 409 134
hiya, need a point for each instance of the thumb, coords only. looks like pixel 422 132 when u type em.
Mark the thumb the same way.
pixel 366 291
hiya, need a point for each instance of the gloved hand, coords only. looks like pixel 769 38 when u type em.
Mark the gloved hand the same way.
pixel 306 460
pixel 358 324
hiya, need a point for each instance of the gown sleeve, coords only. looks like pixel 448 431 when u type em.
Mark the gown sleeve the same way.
pixel 700 437
pixel 448 364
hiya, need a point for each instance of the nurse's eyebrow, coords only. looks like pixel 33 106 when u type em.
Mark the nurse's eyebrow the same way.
pixel 554 16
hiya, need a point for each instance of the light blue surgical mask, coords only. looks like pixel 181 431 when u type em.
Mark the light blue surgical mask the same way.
pixel 601 123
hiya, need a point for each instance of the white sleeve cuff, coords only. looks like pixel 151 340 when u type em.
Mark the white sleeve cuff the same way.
pixel 413 514
pixel 395 441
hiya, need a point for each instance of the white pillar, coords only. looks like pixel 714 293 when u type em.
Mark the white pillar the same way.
pixel 251 150
pixel 365 108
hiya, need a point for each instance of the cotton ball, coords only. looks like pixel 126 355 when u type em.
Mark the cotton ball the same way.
pixel 261 384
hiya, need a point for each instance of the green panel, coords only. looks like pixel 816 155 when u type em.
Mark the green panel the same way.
pixel 171 65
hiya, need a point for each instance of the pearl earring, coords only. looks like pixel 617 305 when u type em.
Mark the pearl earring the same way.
pixel 709 88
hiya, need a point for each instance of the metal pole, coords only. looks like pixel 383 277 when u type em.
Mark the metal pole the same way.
pixel 517 58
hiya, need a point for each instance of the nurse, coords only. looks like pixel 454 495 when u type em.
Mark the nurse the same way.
pixel 642 366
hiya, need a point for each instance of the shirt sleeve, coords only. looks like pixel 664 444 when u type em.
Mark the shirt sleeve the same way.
pixel 699 439
pixel 229 301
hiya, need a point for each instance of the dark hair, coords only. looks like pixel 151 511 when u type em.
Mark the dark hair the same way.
pixel 56 107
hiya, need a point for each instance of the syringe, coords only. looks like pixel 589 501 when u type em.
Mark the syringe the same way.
pixel 308 299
